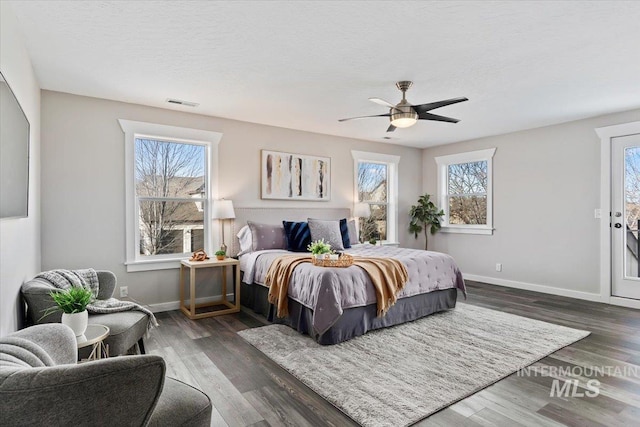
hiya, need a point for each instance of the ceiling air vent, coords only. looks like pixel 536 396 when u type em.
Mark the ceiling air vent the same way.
pixel 180 102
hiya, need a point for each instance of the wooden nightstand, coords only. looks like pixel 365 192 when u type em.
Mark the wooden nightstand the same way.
pixel 190 311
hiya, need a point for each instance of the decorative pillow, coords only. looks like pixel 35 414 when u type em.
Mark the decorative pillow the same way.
pixel 353 232
pixel 298 235
pixel 245 239
pixel 267 236
pixel 344 231
pixel 327 230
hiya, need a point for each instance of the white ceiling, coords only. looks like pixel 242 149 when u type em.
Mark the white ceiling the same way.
pixel 304 65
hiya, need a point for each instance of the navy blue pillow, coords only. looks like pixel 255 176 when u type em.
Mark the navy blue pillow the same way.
pixel 298 235
pixel 344 230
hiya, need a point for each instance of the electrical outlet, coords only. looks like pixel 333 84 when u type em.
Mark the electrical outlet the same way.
pixel 498 267
pixel 597 213
pixel 124 291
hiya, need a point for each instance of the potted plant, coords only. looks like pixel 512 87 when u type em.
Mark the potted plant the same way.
pixel 319 248
pixel 424 216
pixel 73 304
pixel 220 255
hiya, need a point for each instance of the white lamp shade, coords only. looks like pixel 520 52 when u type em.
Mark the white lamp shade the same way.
pixel 223 209
pixel 362 210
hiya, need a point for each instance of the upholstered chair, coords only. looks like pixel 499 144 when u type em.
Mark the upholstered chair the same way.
pixel 126 328
pixel 42 384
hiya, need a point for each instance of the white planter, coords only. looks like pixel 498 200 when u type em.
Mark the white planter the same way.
pixel 76 321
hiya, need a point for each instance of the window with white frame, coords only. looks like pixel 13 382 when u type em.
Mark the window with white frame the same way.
pixel 376 183
pixel 171 179
pixel 465 191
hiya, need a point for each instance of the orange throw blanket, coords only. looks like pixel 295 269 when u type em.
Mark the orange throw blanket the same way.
pixel 388 276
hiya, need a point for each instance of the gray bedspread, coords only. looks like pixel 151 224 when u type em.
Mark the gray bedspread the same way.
pixel 328 291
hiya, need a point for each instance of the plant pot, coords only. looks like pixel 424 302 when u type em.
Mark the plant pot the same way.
pixel 220 257
pixel 76 321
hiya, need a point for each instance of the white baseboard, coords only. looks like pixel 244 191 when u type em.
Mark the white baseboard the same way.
pixel 624 302
pixel 175 305
pixel 536 288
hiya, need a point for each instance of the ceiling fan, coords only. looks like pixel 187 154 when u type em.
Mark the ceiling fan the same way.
pixel 404 114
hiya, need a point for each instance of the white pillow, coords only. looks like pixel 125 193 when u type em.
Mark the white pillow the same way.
pixel 246 240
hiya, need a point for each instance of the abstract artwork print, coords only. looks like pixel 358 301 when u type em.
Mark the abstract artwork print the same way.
pixel 287 176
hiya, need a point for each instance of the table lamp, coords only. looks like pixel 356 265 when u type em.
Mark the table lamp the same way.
pixel 223 209
pixel 361 210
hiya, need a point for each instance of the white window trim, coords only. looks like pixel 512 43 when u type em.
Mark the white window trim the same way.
pixel 443 163
pixel 172 133
pixel 392 187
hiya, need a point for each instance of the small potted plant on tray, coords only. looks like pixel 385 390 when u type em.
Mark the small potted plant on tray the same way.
pixel 320 249
pixel 73 304
pixel 221 255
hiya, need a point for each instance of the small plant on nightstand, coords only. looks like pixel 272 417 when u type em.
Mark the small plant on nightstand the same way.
pixel 221 255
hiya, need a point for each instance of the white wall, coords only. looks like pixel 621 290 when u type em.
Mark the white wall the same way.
pixel 83 180
pixel 19 238
pixel 546 188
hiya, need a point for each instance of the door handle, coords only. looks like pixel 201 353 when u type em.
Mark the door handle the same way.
pixel 618 225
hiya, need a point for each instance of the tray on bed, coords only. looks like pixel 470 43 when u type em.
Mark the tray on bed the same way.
pixel 345 260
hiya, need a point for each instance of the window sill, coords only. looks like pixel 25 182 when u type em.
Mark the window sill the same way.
pixel 468 230
pixel 155 264
pixel 381 243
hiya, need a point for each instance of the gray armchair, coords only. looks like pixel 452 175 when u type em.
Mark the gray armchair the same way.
pixel 126 328
pixel 41 384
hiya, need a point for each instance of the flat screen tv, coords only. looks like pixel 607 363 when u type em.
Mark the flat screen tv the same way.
pixel 14 155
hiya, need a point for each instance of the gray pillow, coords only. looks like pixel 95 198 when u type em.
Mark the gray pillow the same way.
pixel 267 236
pixel 353 232
pixel 327 230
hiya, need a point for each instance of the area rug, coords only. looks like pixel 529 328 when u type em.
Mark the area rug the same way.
pixel 399 375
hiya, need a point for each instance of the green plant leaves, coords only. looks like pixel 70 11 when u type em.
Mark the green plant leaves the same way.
pixel 425 216
pixel 72 300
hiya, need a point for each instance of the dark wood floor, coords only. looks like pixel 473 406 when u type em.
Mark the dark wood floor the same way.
pixel 248 389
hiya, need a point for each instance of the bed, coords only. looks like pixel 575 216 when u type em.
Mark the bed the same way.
pixel 333 305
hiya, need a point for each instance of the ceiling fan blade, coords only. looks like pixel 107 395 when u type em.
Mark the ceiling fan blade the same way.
pixel 364 117
pixel 435 117
pixel 383 103
pixel 391 128
pixel 423 108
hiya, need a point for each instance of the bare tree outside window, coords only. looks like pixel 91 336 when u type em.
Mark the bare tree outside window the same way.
pixel 632 186
pixel 170 189
pixel 632 209
pixel 467 193
pixel 372 189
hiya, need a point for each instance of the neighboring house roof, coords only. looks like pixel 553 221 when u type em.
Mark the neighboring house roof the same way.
pixel 176 187
pixel 633 215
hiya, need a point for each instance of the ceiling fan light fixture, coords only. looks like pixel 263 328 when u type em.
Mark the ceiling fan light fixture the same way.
pixel 404 120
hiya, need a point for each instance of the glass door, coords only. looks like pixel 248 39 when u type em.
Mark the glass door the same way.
pixel 625 216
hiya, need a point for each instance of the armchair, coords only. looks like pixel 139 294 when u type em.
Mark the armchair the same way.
pixel 126 328
pixel 41 384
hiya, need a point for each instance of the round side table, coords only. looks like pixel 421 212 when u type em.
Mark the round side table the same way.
pixel 94 336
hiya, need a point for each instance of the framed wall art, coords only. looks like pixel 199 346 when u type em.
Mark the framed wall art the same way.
pixel 287 176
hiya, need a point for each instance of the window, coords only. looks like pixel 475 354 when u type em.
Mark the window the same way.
pixel 171 178
pixel 376 183
pixel 465 191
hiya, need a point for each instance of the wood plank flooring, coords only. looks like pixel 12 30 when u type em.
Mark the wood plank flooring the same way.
pixel 248 389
